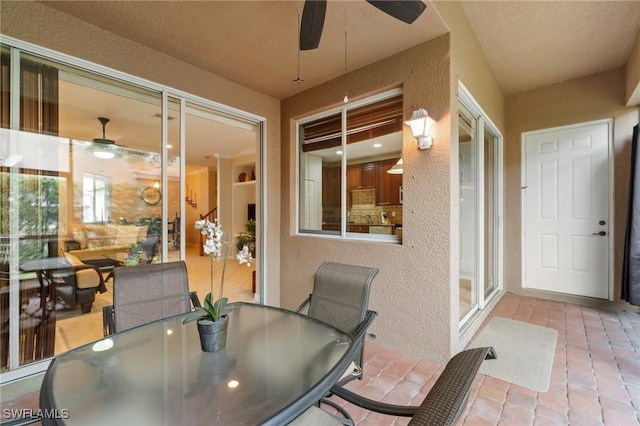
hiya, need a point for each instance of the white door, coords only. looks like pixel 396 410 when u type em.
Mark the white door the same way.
pixel 566 210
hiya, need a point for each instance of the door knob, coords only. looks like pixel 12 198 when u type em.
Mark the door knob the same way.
pixel 601 233
pixel 602 222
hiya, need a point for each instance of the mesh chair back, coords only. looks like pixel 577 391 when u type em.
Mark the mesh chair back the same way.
pixel 147 293
pixel 341 295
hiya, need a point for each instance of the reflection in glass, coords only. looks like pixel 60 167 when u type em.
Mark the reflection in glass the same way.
pixel 468 213
pixel 345 177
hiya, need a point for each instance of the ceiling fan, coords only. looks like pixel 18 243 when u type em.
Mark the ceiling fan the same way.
pixel 314 12
pixel 103 148
pixel 103 139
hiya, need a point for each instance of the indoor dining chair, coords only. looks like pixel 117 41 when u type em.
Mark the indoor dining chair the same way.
pixel 147 293
pixel 340 297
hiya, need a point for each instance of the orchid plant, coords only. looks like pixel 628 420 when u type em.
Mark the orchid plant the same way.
pixel 213 247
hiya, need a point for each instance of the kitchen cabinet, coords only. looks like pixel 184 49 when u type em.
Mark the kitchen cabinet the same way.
pixel 331 227
pixel 351 227
pixel 360 176
pixel 387 185
pixel 363 229
pixel 331 186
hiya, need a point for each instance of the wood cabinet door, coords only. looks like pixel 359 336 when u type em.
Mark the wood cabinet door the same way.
pixel 367 176
pixel 395 182
pixel 354 176
pixel 382 183
pixel 331 186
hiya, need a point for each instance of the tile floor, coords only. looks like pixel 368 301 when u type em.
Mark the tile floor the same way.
pixel 595 378
pixel 74 329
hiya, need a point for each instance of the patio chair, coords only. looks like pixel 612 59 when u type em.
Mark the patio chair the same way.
pixel 147 293
pixel 340 298
pixel 443 405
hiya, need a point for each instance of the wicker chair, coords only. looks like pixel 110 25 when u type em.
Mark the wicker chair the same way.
pixel 147 293
pixel 340 298
pixel 443 406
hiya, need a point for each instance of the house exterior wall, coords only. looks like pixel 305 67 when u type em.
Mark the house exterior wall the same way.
pixel 470 65
pixel 411 293
pixel 35 23
pixel 632 75
pixel 594 97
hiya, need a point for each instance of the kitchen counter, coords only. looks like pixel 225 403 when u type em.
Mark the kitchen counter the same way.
pixel 365 228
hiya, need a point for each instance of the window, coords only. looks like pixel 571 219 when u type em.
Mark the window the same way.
pixel 96 198
pixel 345 155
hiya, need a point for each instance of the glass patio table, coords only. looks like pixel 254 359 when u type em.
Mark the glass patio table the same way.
pixel 275 365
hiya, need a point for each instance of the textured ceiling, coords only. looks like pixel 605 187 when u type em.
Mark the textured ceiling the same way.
pixel 254 43
pixel 535 43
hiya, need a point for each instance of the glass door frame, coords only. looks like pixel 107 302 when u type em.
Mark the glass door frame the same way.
pixel 17 47
pixel 467 103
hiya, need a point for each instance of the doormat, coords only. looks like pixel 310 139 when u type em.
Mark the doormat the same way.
pixel 525 352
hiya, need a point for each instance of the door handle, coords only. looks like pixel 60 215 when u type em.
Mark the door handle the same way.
pixel 601 233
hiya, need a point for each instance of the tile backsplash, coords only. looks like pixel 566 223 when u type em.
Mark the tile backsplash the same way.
pixel 364 210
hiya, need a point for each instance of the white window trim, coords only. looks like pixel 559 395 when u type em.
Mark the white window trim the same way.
pixel 18 46
pixel 351 236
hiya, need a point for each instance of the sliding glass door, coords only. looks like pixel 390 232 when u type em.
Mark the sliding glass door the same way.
pixel 479 147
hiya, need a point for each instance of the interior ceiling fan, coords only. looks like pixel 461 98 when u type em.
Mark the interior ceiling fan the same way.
pixel 103 139
pixel 314 12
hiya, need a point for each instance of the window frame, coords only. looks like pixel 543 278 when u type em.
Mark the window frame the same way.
pixel 343 111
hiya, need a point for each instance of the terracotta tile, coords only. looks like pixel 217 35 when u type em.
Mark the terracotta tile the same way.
pixel 484 411
pixel 547 416
pixel 402 394
pixel 581 376
pixel 554 401
pixel 582 419
pixel 621 405
pixel 584 399
pixel 516 414
pixel 612 417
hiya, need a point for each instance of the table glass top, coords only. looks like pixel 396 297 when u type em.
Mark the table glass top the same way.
pixel 157 373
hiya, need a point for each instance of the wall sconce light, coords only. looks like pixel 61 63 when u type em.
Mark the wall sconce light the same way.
pixel 420 124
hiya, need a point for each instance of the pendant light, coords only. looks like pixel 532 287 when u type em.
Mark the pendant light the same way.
pixel 397 169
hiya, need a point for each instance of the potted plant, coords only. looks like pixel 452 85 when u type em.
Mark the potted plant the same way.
pixel 247 238
pixel 212 318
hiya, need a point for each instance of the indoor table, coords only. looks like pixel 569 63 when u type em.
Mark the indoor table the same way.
pixel 44 269
pixel 275 365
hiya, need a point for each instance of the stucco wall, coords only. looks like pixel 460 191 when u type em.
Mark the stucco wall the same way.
pixel 594 97
pixel 469 65
pixel 632 75
pixel 411 292
pixel 36 23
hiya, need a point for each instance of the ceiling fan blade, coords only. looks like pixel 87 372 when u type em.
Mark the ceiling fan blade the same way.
pixel 312 23
pixel 404 10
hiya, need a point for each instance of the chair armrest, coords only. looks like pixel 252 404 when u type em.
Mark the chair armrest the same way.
pixel 108 326
pixel 446 400
pixel 195 301
pixel 304 304
pixel 71 245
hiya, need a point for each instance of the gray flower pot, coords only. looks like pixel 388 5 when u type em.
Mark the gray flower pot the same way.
pixel 213 334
